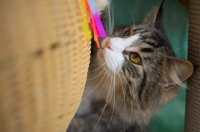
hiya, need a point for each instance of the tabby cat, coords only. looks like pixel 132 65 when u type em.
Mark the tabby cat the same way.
pixel 132 75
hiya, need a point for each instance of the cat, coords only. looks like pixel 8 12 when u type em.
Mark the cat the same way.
pixel 132 75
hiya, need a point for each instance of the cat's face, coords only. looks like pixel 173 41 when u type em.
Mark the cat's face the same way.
pixel 141 58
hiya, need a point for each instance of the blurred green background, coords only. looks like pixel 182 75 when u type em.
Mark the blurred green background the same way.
pixel 171 117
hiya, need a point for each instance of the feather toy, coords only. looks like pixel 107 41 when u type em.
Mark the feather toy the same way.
pixel 94 20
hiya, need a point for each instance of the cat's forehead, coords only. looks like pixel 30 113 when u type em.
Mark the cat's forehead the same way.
pixel 134 29
pixel 152 36
pixel 148 37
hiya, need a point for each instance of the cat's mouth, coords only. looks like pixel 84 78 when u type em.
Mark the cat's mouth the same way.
pixel 109 56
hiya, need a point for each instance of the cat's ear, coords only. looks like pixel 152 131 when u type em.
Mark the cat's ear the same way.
pixel 178 71
pixel 158 17
pixel 155 18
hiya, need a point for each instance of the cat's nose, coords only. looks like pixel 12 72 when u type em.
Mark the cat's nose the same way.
pixel 106 43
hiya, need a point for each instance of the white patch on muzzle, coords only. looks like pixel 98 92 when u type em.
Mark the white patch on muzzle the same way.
pixel 113 55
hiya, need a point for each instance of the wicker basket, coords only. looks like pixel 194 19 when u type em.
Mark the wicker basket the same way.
pixel 44 57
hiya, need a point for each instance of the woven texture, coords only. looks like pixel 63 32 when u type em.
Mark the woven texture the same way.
pixel 44 58
pixel 193 92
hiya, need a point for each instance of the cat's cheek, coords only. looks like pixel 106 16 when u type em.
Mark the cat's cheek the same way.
pixel 100 56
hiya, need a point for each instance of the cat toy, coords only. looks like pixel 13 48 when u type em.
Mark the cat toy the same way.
pixel 94 20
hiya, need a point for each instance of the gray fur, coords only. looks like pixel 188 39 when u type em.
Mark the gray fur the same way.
pixel 147 86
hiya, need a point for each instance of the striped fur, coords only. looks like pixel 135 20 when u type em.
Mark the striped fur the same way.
pixel 131 93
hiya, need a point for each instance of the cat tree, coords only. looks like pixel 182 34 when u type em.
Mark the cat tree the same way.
pixel 44 57
pixel 192 120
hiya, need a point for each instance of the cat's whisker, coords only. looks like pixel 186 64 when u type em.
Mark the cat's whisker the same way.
pixel 97 75
pixel 113 20
pixel 97 68
pixel 100 116
pixel 107 29
pixel 95 87
pixel 109 20
pixel 106 103
pixel 179 48
pixel 117 111
pixel 94 62
pixel 101 89
pixel 125 117
pixel 109 122
pixel 124 96
pixel 124 105
pixel 113 102
pixel 109 90
pixel 98 63
pixel 130 14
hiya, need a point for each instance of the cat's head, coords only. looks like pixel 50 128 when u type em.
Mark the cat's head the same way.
pixel 144 63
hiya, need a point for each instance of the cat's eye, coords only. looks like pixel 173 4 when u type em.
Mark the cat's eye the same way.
pixel 127 32
pixel 135 58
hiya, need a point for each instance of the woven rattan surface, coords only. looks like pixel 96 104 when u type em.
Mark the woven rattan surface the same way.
pixel 193 92
pixel 44 59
